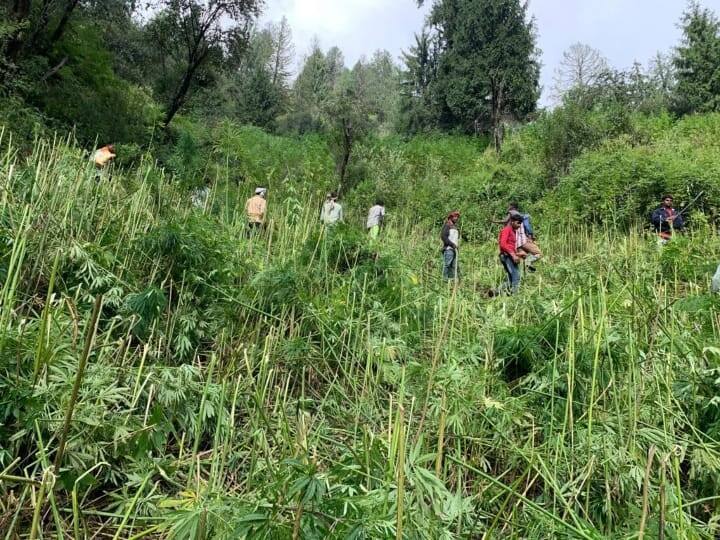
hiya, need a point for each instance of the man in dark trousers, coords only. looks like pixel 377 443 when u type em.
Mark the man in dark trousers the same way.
pixel 510 256
pixel 667 220
pixel 450 237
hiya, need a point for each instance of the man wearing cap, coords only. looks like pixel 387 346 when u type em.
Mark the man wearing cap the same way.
pixel 450 237
pixel 667 220
pixel 332 212
pixel 255 208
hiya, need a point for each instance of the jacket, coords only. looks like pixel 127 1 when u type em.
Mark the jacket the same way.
pixel 255 208
pixel 445 236
pixel 506 241
pixel 659 217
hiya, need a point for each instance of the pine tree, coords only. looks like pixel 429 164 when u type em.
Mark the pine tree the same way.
pixel 697 62
pixel 488 66
pixel 282 55
pixel 417 109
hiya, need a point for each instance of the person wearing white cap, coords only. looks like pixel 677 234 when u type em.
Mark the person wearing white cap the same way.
pixel 332 212
pixel 255 209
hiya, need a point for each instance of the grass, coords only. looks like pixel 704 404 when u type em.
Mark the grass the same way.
pixel 310 384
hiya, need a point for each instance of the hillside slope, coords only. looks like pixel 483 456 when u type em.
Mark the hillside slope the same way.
pixel 311 384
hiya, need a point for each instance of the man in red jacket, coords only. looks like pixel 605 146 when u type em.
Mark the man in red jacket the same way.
pixel 509 255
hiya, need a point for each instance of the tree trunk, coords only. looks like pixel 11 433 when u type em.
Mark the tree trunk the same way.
pixel 347 144
pixel 42 21
pixel 179 98
pixel 60 30
pixel 498 102
pixel 55 69
pixel 19 12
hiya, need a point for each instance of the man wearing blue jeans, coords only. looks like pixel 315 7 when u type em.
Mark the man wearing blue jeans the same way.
pixel 450 237
pixel 509 254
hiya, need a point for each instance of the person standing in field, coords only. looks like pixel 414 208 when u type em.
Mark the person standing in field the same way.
pixel 525 237
pixel 450 237
pixel 510 257
pixel 332 212
pixel 103 156
pixel 666 220
pixel 376 219
pixel 256 209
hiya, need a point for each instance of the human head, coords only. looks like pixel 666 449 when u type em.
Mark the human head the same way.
pixel 513 206
pixel 111 147
pixel 261 191
pixel 332 196
pixel 379 202
pixel 668 201
pixel 515 221
pixel 453 216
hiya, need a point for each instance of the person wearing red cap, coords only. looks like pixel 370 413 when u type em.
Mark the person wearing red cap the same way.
pixel 450 237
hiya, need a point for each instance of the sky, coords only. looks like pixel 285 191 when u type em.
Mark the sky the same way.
pixel 623 30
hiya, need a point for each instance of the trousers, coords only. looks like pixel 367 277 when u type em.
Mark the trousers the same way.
pixel 512 269
pixel 450 264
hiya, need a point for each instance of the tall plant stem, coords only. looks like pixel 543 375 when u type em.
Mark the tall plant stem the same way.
pixel 89 336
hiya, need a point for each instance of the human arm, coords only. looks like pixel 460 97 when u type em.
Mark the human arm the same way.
pixel 445 237
pixel 503 221
pixel 657 218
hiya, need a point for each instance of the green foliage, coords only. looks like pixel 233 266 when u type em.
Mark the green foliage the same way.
pixel 697 62
pixel 487 65
pixel 90 97
pixel 634 178
pixel 417 110
pixel 290 380
pixel 316 383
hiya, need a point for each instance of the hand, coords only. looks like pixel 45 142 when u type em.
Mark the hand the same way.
pixel 516 259
pixel 521 254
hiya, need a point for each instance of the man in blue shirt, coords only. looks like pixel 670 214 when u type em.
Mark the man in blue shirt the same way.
pixel 667 220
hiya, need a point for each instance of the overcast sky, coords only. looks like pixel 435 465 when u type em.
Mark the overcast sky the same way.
pixel 623 30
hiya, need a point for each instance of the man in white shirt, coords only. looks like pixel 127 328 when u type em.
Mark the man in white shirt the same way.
pixel 332 212
pixel 376 219
pixel 450 237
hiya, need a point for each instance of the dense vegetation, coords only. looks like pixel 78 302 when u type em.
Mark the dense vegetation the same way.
pixel 163 375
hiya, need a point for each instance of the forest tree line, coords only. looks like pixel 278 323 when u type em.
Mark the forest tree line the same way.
pixel 124 71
